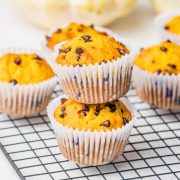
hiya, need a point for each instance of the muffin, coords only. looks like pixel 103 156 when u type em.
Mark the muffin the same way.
pixel 91 134
pixel 168 25
pixel 157 75
pixel 26 81
pixel 68 32
pixel 94 68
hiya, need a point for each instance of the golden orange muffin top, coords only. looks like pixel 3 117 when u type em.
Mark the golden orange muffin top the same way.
pixel 108 116
pixel 24 69
pixel 69 32
pixel 173 25
pixel 163 58
pixel 90 49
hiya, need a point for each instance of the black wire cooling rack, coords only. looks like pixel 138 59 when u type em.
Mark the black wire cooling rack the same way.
pixel 153 151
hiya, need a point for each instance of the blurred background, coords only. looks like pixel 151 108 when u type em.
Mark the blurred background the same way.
pixel 25 22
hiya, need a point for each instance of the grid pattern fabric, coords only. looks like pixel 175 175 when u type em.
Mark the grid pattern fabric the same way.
pixel 153 151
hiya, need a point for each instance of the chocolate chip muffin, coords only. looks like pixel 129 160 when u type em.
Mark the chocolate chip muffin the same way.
pixel 168 26
pixel 26 81
pixel 157 75
pixel 24 69
pixel 108 116
pixel 91 134
pixel 95 68
pixel 68 32
pixel 90 49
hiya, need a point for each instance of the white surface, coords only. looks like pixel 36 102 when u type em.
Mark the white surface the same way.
pixel 16 31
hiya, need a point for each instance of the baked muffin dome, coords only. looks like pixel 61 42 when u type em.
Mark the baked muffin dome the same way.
pixel 173 25
pixel 69 32
pixel 24 69
pixel 108 116
pixel 163 58
pixel 90 48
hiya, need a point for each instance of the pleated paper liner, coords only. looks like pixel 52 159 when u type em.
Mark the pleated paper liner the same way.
pixel 91 148
pixel 25 99
pixel 99 83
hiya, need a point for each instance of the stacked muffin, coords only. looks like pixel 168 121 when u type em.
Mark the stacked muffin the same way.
pixel 94 70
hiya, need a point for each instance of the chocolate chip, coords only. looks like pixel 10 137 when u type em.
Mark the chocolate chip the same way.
pixel 166 27
pixel 63 108
pixel 63 100
pixel 92 26
pixel 159 71
pixel 17 60
pixel 97 110
pixel 125 120
pixel 82 112
pixel 112 107
pixel 13 81
pixel 106 78
pixel 122 52
pixel 58 30
pixel 86 108
pixel 38 57
pixel 103 61
pixel 122 111
pixel 169 92
pixel 60 51
pixel 141 49
pixel 106 123
pixel 78 57
pixel 79 51
pixel 67 50
pixel 62 115
pixel 172 66
pixel 164 49
pixel 87 38
pixel 47 37
pixel 168 41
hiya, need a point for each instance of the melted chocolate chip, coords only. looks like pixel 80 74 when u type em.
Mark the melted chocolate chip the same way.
pixel 58 30
pixel 103 61
pixel 172 66
pixel 125 120
pixel 164 49
pixel 87 38
pixel 63 108
pixel 106 123
pixel 17 60
pixel 63 100
pixel 13 81
pixel 62 115
pixel 112 107
pixel 122 52
pixel 79 51
pixel 86 108
pixel 168 41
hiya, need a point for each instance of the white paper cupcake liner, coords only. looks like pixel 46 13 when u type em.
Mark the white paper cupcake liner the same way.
pixel 160 91
pixel 25 99
pixel 90 148
pixel 97 83
pixel 164 34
